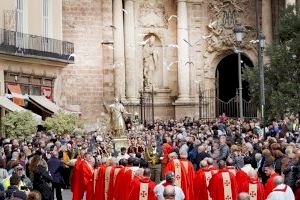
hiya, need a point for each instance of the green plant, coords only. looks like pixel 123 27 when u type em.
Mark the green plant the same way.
pixel 63 123
pixel 282 74
pixel 19 125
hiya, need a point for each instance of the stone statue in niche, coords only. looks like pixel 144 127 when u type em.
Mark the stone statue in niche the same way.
pixel 10 20
pixel 150 60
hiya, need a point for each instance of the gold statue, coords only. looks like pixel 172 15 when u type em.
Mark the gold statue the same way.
pixel 116 112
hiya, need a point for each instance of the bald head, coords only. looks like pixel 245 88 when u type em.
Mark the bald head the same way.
pixel 203 164
pixel 278 180
pixel 147 172
pixel 243 196
pixel 252 173
pixel 210 161
pixel 169 192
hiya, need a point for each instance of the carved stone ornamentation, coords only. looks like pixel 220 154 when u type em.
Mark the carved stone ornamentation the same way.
pixel 224 15
pixel 10 20
pixel 152 13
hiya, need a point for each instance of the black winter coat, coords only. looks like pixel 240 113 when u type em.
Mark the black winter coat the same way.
pixel 42 182
pixel 290 176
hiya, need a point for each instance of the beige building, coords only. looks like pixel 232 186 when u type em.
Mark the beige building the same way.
pixel 180 48
pixel 32 50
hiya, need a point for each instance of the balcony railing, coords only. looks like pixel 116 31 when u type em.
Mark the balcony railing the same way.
pixel 21 44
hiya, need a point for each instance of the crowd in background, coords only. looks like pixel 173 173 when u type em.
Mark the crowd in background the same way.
pixel 43 165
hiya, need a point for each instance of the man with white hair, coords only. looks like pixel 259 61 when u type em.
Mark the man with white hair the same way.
pixel 253 186
pixel 189 168
pixel 281 190
pixel 201 181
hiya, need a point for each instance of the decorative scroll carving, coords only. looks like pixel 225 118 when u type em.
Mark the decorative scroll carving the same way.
pixel 224 15
pixel 152 13
pixel 10 20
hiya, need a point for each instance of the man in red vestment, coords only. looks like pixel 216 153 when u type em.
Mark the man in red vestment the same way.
pixel 242 175
pixel 76 187
pixel 166 149
pixel 85 179
pixel 270 171
pixel 105 180
pixel 181 177
pixel 143 189
pixel 230 166
pixel 211 166
pixel 223 186
pixel 123 182
pixel 253 187
pixel 189 168
pixel 201 182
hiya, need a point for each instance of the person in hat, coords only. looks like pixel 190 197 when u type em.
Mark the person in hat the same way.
pixel 19 171
pixel 170 178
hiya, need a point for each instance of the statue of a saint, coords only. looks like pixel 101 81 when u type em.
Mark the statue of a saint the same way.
pixel 150 60
pixel 116 113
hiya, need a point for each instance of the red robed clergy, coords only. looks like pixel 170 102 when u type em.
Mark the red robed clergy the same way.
pixel 104 183
pixel 87 179
pixel 270 184
pixel 76 180
pixel 189 168
pixel 254 188
pixel 123 184
pixel 201 182
pixel 142 189
pixel 181 177
pixel 223 186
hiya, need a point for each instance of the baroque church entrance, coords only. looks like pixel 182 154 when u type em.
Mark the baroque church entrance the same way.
pixel 227 87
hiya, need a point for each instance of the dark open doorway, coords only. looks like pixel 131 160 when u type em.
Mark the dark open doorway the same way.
pixel 227 77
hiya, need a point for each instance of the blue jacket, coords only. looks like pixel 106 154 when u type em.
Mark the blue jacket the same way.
pixel 56 167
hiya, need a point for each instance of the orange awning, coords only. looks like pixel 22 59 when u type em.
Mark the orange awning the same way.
pixel 16 93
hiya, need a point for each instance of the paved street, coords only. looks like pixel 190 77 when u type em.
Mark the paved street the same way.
pixel 67 195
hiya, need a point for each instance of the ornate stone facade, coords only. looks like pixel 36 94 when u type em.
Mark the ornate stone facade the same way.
pixel 191 38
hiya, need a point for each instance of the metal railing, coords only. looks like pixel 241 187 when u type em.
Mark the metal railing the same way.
pixel 210 106
pixel 12 42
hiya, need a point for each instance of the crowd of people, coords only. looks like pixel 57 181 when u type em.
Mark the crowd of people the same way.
pixel 185 159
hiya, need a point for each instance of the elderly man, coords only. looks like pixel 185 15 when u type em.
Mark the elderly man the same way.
pixel 201 181
pixel 281 190
pixel 222 185
pixel 169 193
pixel 243 196
pixel 159 189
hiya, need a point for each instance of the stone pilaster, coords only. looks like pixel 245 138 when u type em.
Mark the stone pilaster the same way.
pixel 130 52
pixel 183 53
pixel 267 27
pixel 119 66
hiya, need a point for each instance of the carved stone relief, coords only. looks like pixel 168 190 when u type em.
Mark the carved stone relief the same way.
pixel 224 15
pixel 10 20
pixel 152 13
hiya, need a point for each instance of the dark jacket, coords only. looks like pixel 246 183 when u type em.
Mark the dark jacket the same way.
pixel 200 157
pixel 42 181
pixel 224 152
pixel 56 167
pixel 290 177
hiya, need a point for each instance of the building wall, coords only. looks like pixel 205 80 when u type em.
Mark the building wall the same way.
pixel 33 17
pixel 82 82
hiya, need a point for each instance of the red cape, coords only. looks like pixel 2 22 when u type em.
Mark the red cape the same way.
pixel 216 187
pixel 200 187
pixel 270 184
pixel 232 170
pixel 188 166
pixel 241 177
pixel 244 187
pixel 76 188
pixel 136 189
pixel 123 184
pixel 166 149
pixel 88 180
pixel 184 177
pixel 103 189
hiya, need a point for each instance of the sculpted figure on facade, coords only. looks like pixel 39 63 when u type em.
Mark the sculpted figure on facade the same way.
pixel 150 60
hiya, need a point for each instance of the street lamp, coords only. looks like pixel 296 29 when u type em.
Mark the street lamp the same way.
pixel 239 34
pixel 261 47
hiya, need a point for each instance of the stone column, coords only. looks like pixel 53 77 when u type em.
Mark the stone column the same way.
pixel 183 53
pixel 267 21
pixel 119 70
pixel 290 2
pixel 130 52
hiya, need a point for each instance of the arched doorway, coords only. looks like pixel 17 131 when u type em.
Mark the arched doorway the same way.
pixel 227 87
